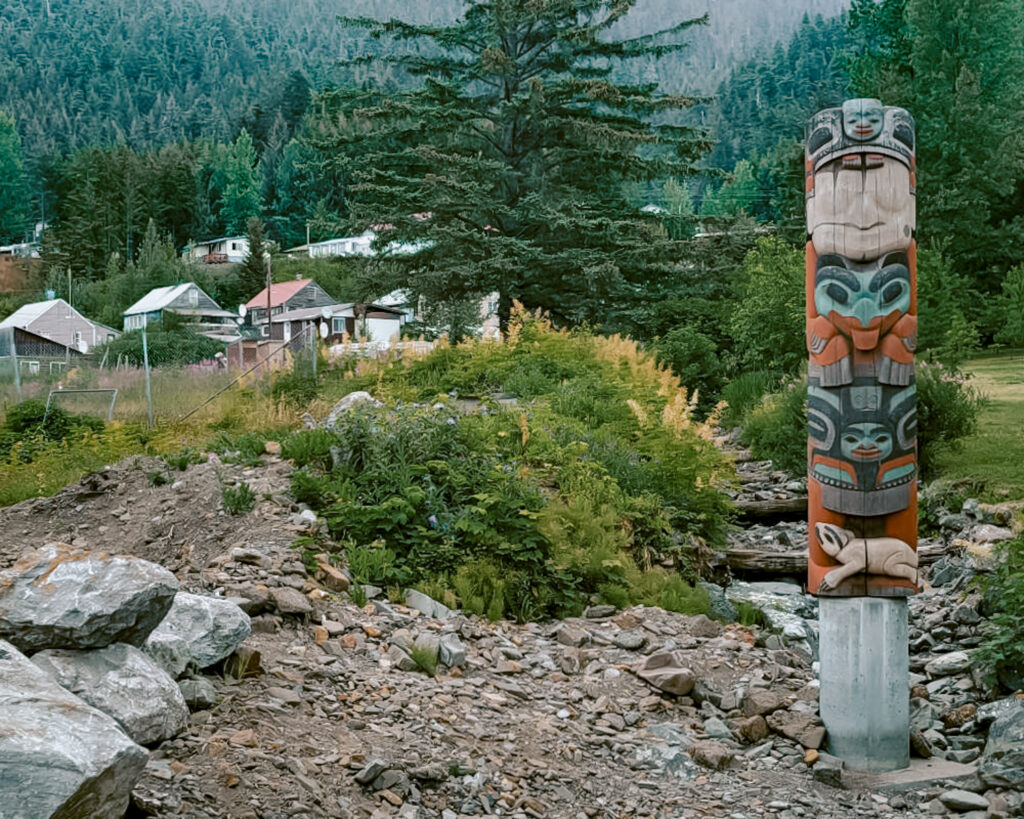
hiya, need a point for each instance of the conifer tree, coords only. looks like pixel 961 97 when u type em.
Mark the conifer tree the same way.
pixel 252 277
pixel 506 168
pixel 12 183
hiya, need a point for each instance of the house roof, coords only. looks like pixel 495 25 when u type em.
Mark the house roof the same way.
pixel 339 310
pixel 28 313
pixel 218 241
pixel 280 292
pixel 160 297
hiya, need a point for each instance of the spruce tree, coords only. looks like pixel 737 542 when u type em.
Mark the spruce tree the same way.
pixel 12 182
pixel 252 277
pixel 506 167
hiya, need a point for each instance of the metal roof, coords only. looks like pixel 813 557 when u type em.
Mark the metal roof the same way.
pixel 28 313
pixel 159 297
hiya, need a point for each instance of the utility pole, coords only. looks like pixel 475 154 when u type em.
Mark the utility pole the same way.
pixel 71 303
pixel 17 368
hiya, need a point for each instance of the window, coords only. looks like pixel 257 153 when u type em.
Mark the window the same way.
pixel 193 297
pixel 234 245
pixel 78 338
pixel 338 325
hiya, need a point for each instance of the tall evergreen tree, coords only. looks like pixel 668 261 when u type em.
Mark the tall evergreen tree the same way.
pixel 240 182
pixel 12 183
pixel 253 275
pixel 505 169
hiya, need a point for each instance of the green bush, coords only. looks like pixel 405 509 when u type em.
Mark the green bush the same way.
pixel 169 342
pixel 1002 648
pixel 600 473
pixel 296 385
pixel 26 432
pixel 697 360
pixel 744 393
pixel 947 411
pixel 777 428
pixel 238 500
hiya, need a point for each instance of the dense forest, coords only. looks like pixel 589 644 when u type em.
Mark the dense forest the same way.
pixel 132 129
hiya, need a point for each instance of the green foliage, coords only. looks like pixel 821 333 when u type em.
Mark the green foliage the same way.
pixel 425 658
pixel 1002 648
pixel 777 428
pixel 238 500
pixel 246 448
pixel 13 221
pixel 668 590
pixel 697 361
pixel 29 430
pixel 525 512
pixel 169 342
pixel 744 393
pixel 182 460
pixel 1012 309
pixel 944 334
pixel 947 412
pixel 529 142
pixel 751 615
pixel 767 322
pixel 739 194
pixel 252 277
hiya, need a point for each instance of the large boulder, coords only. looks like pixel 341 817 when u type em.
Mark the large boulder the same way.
pixel 197 632
pixel 60 597
pixel 123 683
pixel 1002 763
pixel 59 757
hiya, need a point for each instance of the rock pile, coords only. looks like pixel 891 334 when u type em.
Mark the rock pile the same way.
pixel 82 698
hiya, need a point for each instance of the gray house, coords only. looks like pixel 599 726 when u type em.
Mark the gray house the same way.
pixel 60 323
pixel 284 297
pixel 202 313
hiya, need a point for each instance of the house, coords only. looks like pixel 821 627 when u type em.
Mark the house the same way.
pixel 231 249
pixel 369 322
pixel 59 323
pixel 361 245
pixel 21 250
pixel 204 315
pixel 285 297
pixel 401 301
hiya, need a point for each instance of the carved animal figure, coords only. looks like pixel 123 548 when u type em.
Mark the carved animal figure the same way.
pixel 887 556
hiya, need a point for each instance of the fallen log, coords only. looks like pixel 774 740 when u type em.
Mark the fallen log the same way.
pixel 771 508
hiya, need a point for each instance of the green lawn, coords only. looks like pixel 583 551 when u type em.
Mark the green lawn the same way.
pixel 993 459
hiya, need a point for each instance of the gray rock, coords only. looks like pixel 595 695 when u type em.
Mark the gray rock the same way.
pixel 572 636
pixel 291 601
pixel 60 597
pixel 667 671
pixel 803 728
pixel 428 643
pixel 716 729
pixel 987 533
pixel 426 605
pixel 401 660
pixel 198 631
pixel 946 664
pixel 829 769
pixel 1002 763
pixel 947 570
pixel 712 754
pixel 123 683
pixel 59 757
pixel 721 608
pixel 353 399
pixel 599 612
pixel 452 652
pixel 963 801
pixel 632 640
pixel 198 693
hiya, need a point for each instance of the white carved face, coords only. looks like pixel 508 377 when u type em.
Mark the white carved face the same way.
pixel 863 119
pixel 861 208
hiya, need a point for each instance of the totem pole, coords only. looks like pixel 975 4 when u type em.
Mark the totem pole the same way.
pixel 862 471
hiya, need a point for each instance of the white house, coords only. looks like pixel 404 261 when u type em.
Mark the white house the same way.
pixel 231 249
pixel 57 321
pixel 361 245
pixel 186 299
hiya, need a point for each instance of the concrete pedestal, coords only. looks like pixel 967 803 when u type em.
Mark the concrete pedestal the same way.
pixel 865 681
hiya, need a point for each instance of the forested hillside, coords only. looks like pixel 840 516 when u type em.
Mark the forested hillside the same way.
pixel 80 72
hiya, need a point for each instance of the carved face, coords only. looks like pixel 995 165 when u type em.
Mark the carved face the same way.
pixel 863 119
pixel 866 442
pixel 862 207
pixel 862 295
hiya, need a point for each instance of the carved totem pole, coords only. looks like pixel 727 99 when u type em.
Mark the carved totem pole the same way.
pixel 861 334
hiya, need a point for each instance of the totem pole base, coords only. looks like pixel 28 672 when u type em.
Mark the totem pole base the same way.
pixel 865 681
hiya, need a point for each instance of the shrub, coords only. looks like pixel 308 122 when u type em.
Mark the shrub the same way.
pixel 297 386
pixel 947 411
pixel 238 500
pixel 183 460
pixel 1002 648
pixel 744 393
pixel 696 359
pixel 777 428
pixel 169 342
pixel 425 658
